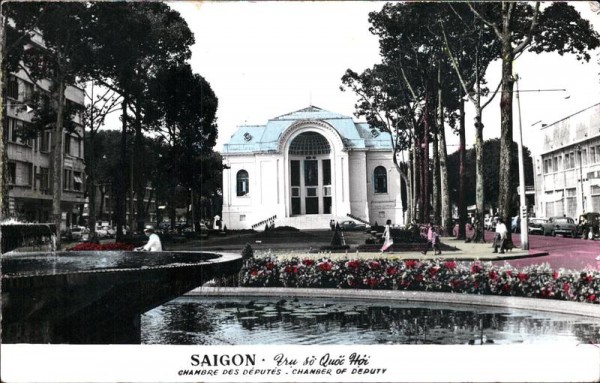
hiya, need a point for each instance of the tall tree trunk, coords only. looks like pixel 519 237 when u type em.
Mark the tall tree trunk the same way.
pixel 506 133
pixel 462 206
pixel 435 177
pixel 120 208
pixel 140 178
pixel 57 156
pixel 443 158
pixel 413 161
pixel 425 165
pixel 479 189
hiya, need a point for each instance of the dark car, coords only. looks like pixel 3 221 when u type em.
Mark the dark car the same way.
pixel 352 225
pixel 560 225
pixel 535 225
pixel 589 223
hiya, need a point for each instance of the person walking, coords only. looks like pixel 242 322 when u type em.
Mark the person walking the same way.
pixel 500 236
pixel 388 241
pixel 154 243
pixel 429 238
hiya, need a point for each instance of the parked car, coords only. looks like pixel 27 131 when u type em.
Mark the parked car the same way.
pixel 589 221
pixel 560 225
pixel 352 225
pixel 535 225
pixel 74 233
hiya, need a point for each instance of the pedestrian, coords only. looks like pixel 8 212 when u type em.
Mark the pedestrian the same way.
pixel 429 238
pixel 388 241
pixel 435 241
pixel 154 243
pixel 500 236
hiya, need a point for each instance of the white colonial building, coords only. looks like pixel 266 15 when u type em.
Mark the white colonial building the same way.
pixel 306 168
pixel 567 171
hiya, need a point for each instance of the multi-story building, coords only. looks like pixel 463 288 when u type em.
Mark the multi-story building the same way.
pixel 30 161
pixel 567 171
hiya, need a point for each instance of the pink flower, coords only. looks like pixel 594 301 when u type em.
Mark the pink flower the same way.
pixel 410 263
pixel 591 297
pixel 450 265
pixel 555 275
pixel 566 287
pixel 522 277
pixel 391 270
pixel 475 268
pixel 493 275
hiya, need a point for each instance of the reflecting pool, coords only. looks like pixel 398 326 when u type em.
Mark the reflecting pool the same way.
pixel 194 320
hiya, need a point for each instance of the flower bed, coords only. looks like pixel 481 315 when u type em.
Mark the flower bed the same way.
pixel 430 275
pixel 90 246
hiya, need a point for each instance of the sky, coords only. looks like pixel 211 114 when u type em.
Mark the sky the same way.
pixel 267 58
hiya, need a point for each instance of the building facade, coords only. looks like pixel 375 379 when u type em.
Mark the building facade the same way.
pixel 567 171
pixel 309 167
pixel 29 165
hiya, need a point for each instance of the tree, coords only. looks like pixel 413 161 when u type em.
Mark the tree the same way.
pixel 471 47
pixel 519 27
pixel 491 173
pixel 62 58
pixel 133 41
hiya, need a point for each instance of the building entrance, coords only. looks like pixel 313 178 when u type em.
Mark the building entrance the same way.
pixel 310 175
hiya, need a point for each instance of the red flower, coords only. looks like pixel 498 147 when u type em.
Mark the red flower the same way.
pixel 354 265
pixel 291 269
pixel 325 266
pixel 410 263
pixel 270 266
pixel 588 279
pixel 308 262
pixel 522 277
pixel 391 270
pixel 591 297
pixel 555 275
pixel 475 284
pixel 253 272
pixel 505 288
pixel 475 268
pixel 508 273
pixel 432 271
pixel 374 265
pixel 418 277
pixel 371 281
pixel 566 287
pixel 493 275
pixel 450 265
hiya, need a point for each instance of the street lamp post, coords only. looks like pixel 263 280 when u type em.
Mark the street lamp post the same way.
pixel 581 178
pixel 523 209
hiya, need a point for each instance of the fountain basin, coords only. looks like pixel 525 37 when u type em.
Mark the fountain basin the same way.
pixel 97 297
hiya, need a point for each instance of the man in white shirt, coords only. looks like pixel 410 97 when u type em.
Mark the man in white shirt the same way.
pixel 500 237
pixel 154 243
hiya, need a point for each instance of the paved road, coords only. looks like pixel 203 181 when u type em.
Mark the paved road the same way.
pixel 565 252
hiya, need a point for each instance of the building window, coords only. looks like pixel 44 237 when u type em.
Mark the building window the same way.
pixel 45 180
pixel 380 179
pixel 77 181
pixel 67 181
pixel 12 173
pixel 67 144
pixel 45 144
pixel 12 88
pixel 242 183
pixel 27 174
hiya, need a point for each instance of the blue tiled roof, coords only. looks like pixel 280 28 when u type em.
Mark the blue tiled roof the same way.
pixel 264 138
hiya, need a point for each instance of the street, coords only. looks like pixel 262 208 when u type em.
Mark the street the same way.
pixel 564 252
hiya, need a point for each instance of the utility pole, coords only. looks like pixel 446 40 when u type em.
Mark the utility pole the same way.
pixel 581 178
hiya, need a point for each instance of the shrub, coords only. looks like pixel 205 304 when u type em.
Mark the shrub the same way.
pixel 247 252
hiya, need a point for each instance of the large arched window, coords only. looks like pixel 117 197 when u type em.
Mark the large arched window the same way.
pixel 243 185
pixel 380 179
